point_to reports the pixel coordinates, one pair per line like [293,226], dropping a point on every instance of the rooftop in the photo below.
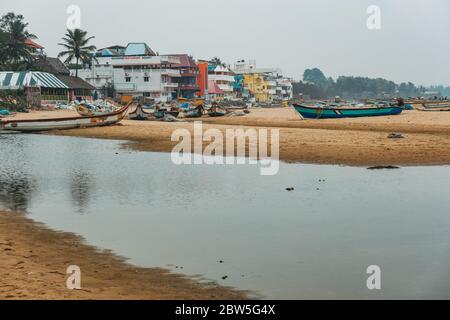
[33,44]
[186,61]
[138,49]
[18,80]
[51,65]
[213,88]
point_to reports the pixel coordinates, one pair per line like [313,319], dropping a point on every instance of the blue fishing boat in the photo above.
[161,113]
[194,113]
[323,112]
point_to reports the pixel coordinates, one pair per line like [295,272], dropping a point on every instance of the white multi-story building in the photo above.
[133,70]
[223,77]
[284,88]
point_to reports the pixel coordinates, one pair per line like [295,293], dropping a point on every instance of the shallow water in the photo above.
[314,242]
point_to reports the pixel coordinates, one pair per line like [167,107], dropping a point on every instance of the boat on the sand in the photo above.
[45,124]
[216,112]
[194,113]
[160,114]
[195,102]
[443,105]
[139,114]
[322,112]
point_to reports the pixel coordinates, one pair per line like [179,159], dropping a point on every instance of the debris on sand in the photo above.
[395,136]
[382,167]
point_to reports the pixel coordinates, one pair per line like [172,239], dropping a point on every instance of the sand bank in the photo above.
[358,142]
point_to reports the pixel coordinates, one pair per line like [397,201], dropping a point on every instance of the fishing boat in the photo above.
[161,113]
[194,113]
[195,102]
[436,105]
[37,125]
[332,113]
[216,112]
[139,114]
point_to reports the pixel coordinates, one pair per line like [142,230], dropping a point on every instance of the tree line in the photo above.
[317,86]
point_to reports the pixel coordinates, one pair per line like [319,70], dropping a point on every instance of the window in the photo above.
[146,79]
[127,79]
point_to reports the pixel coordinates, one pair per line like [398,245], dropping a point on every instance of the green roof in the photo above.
[18,80]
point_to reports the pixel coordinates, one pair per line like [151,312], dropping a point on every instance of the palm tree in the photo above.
[216,61]
[13,33]
[76,45]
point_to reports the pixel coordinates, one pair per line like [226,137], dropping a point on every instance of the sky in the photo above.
[412,44]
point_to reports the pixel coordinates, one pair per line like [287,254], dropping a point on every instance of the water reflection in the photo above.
[81,190]
[16,191]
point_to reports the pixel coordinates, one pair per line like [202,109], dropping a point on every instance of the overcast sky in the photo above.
[413,43]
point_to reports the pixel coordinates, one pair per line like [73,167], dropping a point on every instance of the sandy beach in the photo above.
[356,142]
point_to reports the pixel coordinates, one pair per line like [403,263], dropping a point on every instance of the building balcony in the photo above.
[226,87]
[221,77]
[193,87]
[170,85]
[188,74]
[171,73]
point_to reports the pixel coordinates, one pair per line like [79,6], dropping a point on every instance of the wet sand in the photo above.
[34,260]
[357,142]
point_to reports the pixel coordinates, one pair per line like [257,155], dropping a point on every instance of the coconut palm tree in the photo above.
[216,61]
[77,48]
[13,33]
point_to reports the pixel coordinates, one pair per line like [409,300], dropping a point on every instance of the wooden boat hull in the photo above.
[195,113]
[194,102]
[216,114]
[436,105]
[65,123]
[139,114]
[161,114]
[335,113]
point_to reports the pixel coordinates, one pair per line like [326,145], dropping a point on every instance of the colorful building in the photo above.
[263,84]
[202,78]
[223,77]
[134,71]
[187,82]
[256,86]
[215,92]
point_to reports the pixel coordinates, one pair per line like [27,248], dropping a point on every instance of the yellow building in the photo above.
[257,85]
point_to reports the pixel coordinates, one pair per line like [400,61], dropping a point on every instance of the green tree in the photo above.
[315,76]
[76,44]
[14,52]
[216,61]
